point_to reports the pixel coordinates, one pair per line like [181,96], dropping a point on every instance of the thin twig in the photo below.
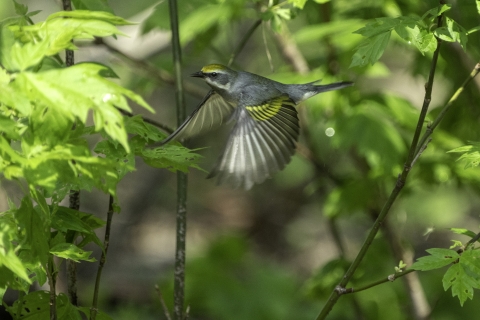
[181,230]
[449,104]
[103,259]
[162,302]
[390,278]
[336,293]
[473,240]
[244,41]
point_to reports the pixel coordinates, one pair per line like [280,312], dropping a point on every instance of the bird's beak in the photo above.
[198,74]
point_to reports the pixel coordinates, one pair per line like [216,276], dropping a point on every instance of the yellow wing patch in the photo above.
[213,67]
[269,109]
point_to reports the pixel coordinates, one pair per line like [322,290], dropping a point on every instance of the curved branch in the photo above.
[335,295]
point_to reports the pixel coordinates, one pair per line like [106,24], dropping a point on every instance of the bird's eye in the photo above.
[213,74]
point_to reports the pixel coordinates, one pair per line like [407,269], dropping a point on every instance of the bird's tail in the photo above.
[332,86]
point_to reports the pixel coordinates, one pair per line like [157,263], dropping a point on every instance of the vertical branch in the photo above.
[74,199]
[51,276]
[179,280]
[103,259]
[340,289]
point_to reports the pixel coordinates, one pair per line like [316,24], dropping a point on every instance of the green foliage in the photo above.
[463,276]
[44,110]
[36,306]
[414,30]
[471,154]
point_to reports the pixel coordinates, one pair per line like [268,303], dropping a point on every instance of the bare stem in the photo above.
[340,289]
[449,104]
[181,232]
[74,198]
[390,278]
[103,259]
[51,276]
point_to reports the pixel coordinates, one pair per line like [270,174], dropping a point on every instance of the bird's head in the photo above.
[217,76]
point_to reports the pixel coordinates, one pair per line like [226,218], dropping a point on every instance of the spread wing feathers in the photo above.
[210,113]
[262,142]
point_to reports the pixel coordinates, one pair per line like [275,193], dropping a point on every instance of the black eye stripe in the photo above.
[213,74]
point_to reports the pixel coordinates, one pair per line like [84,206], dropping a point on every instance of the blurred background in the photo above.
[277,250]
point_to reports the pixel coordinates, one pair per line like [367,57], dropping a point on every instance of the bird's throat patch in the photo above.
[270,108]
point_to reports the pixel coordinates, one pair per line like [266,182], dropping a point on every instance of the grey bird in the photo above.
[266,128]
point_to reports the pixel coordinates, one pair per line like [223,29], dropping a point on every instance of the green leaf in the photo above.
[435,12]
[93,5]
[95,15]
[8,258]
[76,90]
[298,3]
[20,9]
[438,258]
[471,154]
[171,157]
[72,252]
[466,232]
[65,219]
[33,230]
[36,306]
[452,32]
[461,282]
[371,50]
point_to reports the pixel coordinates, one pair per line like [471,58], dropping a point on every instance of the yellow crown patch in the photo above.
[213,67]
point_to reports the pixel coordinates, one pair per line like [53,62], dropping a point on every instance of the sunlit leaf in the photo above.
[72,252]
[438,258]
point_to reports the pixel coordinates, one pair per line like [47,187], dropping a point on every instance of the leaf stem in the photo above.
[340,289]
[181,230]
[103,259]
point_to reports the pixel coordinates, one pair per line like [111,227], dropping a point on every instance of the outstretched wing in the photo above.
[209,114]
[262,142]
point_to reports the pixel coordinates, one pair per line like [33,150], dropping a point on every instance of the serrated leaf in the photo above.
[435,12]
[76,90]
[462,284]
[438,258]
[171,157]
[371,50]
[20,9]
[452,32]
[33,230]
[36,305]
[65,219]
[471,154]
[72,252]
